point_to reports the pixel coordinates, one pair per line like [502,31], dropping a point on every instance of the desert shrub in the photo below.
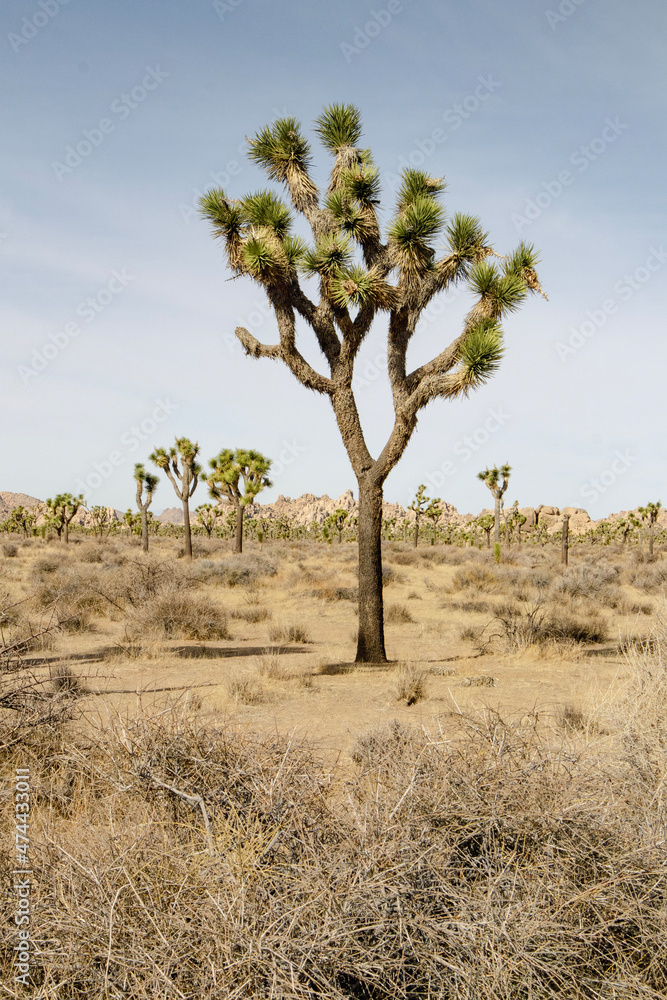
[65,682]
[522,627]
[479,607]
[72,588]
[475,578]
[405,557]
[331,593]
[178,614]
[397,614]
[233,570]
[88,553]
[493,864]
[289,633]
[75,620]
[9,550]
[414,596]
[410,684]
[252,615]
[590,580]
[245,690]
[651,578]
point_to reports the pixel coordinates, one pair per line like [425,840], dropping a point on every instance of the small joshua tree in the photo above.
[101,519]
[207,515]
[337,521]
[434,512]
[649,514]
[423,506]
[236,478]
[360,274]
[145,480]
[187,474]
[486,523]
[491,477]
[61,511]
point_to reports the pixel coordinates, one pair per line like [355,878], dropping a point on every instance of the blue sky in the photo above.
[546,119]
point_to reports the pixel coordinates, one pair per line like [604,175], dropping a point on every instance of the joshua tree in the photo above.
[486,523]
[491,478]
[228,470]
[337,521]
[188,475]
[514,521]
[207,515]
[650,513]
[361,273]
[101,519]
[423,506]
[150,482]
[20,519]
[61,511]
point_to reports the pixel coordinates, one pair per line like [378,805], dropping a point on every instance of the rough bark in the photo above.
[496,534]
[144,528]
[238,536]
[186,521]
[566,539]
[370,640]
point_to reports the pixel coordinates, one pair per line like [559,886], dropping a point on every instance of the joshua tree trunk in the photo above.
[370,642]
[416,532]
[144,529]
[496,531]
[238,536]
[66,527]
[566,538]
[186,522]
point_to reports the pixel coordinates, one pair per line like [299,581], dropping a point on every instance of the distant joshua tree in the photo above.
[650,513]
[187,473]
[236,478]
[486,523]
[337,521]
[423,506]
[148,481]
[361,272]
[207,515]
[61,511]
[492,479]
[20,519]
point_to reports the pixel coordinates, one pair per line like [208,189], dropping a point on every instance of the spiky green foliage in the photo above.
[331,254]
[467,239]
[362,184]
[281,148]
[231,469]
[227,217]
[480,355]
[417,184]
[294,249]
[145,479]
[339,125]
[264,209]
[411,233]
[264,257]
[357,286]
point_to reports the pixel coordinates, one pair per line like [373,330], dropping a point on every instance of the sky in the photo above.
[546,119]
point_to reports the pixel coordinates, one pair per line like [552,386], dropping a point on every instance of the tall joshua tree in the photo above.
[231,470]
[60,512]
[187,473]
[148,481]
[492,479]
[361,273]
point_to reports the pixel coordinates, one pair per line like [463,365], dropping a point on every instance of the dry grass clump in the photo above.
[522,627]
[9,550]
[253,614]
[178,614]
[327,592]
[651,578]
[411,684]
[397,614]
[233,570]
[245,690]
[289,633]
[475,578]
[496,864]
